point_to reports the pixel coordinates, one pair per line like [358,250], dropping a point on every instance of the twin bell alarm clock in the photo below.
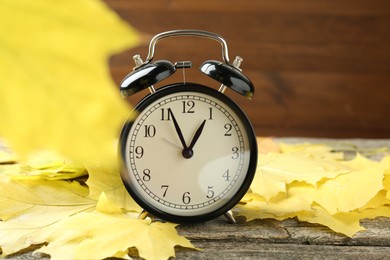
[188,153]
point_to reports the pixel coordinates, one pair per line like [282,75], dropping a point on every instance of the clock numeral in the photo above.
[166,114]
[150,130]
[146,176]
[139,152]
[226,175]
[210,113]
[210,192]
[228,127]
[186,197]
[235,154]
[188,107]
[165,189]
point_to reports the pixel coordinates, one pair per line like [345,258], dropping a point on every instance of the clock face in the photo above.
[190,154]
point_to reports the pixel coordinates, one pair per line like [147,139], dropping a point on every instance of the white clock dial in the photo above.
[187,154]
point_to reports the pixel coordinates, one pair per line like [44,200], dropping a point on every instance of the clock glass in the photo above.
[190,154]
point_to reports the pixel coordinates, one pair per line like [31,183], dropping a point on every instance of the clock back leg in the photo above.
[230,218]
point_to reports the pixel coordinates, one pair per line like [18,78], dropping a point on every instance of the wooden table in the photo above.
[320,68]
[289,239]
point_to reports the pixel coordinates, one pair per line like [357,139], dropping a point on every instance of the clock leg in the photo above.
[230,218]
[143,215]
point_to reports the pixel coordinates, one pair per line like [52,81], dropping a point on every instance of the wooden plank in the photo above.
[321,68]
[336,7]
[310,104]
[283,239]
[245,250]
[290,231]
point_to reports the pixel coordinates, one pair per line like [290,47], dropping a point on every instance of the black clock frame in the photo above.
[177,88]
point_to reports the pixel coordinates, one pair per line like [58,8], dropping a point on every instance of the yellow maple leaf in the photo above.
[44,192]
[275,170]
[318,188]
[361,163]
[27,207]
[55,90]
[45,165]
[6,156]
[344,193]
[104,177]
[345,223]
[299,197]
[36,211]
[316,150]
[385,164]
[112,234]
[295,167]
[377,201]
[11,169]
[386,184]
[105,205]
[266,185]
[45,160]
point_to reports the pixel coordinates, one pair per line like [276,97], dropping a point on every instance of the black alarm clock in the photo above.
[189,153]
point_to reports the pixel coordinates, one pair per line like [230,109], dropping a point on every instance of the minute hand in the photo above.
[178,131]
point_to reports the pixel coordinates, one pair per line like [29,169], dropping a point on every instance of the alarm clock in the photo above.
[188,153]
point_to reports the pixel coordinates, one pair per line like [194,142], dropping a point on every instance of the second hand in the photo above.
[172,143]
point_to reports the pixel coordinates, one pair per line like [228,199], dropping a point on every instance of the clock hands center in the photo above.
[187,150]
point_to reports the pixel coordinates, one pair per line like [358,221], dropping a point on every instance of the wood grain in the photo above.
[320,68]
[288,239]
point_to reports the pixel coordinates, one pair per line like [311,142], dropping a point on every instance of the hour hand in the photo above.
[197,135]
[188,152]
[178,130]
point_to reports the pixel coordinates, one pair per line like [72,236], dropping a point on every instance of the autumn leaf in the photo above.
[345,192]
[275,170]
[314,185]
[6,157]
[75,221]
[106,206]
[56,92]
[44,192]
[266,185]
[299,197]
[294,167]
[316,150]
[27,207]
[104,177]
[112,231]
[341,223]
[45,165]
[113,235]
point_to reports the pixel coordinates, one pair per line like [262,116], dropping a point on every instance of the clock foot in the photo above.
[143,215]
[230,218]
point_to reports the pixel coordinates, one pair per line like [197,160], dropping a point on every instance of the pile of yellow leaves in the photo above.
[314,184]
[42,203]
[73,209]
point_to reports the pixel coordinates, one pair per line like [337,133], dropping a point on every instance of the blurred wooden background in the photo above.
[321,68]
